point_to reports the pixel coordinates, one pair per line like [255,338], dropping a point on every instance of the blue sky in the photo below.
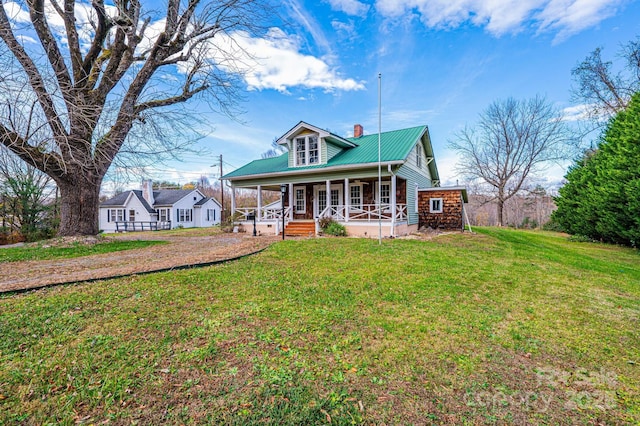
[442,62]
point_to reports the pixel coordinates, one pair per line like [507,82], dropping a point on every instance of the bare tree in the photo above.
[25,192]
[513,140]
[98,74]
[275,150]
[601,89]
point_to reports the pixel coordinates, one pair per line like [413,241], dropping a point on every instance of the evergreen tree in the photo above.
[601,198]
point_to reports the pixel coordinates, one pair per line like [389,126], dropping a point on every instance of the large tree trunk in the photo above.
[79,206]
[500,212]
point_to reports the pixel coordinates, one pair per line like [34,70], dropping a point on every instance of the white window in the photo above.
[132,215]
[355,196]
[322,200]
[335,197]
[211,215]
[419,156]
[307,150]
[384,193]
[314,152]
[301,152]
[115,215]
[435,205]
[300,200]
[185,215]
[164,214]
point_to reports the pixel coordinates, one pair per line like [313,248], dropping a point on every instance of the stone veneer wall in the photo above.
[451,216]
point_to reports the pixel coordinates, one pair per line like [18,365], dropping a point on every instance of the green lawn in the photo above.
[38,252]
[499,327]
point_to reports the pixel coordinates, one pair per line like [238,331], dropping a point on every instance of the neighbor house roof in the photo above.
[120,200]
[165,197]
[206,200]
[395,146]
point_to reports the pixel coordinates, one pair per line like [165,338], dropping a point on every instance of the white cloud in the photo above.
[572,16]
[271,62]
[350,7]
[346,29]
[24,39]
[85,17]
[499,17]
[276,62]
[306,20]
[576,113]
[15,13]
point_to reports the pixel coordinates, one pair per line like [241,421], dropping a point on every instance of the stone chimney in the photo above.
[357,131]
[147,191]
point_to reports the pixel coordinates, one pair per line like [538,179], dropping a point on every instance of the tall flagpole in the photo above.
[379,159]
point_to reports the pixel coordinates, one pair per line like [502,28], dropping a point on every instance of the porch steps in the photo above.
[300,229]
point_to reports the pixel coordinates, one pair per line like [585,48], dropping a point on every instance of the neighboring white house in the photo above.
[146,209]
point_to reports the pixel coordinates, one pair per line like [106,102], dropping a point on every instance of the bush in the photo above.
[336,229]
[553,225]
[325,221]
[528,223]
[580,239]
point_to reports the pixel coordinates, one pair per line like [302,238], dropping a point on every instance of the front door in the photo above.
[320,200]
[132,215]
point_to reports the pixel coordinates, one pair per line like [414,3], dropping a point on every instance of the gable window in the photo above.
[355,199]
[314,153]
[419,156]
[300,199]
[211,215]
[435,205]
[185,215]
[307,150]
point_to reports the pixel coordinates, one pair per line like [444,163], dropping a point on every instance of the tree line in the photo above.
[515,140]
[78,98]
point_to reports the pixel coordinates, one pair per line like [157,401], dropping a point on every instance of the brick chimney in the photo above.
[357,130]
[147,191]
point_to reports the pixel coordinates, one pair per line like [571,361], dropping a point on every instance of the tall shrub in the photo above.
[601,198]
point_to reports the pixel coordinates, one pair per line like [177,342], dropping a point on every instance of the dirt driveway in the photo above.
[180,251]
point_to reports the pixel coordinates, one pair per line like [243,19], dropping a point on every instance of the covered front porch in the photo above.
[364,206]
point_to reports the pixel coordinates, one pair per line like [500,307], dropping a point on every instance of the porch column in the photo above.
[259,212]
[329,196]
[233,201]
[393,204]
[291,200]
[347,199]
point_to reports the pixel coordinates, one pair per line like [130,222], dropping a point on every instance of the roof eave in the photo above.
[323,133]
[314,171]
[462,189]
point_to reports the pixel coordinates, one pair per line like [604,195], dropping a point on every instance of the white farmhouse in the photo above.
[146,209]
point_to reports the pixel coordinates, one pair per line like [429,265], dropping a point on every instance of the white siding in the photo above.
[200,214]
[133,203]
[185,203]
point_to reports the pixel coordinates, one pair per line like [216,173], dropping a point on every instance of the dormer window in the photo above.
[307,152]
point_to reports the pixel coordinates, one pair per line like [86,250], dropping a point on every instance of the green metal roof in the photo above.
[394,146]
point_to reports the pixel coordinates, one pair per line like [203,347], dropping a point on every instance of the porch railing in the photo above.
[132,226]
[268,213]
[364,212]
[370,212]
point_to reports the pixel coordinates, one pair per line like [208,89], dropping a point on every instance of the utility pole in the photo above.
[221,192]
